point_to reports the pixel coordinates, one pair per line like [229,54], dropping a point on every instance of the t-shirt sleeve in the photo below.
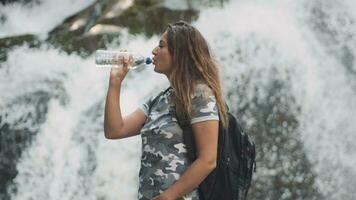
[204,106]
[145,106]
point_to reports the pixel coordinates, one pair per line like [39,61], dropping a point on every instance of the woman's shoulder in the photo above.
[202,89]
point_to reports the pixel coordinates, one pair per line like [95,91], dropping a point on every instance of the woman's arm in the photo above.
[206,141]
[115,126]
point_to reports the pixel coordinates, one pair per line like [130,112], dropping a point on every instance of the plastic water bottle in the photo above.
[105,58]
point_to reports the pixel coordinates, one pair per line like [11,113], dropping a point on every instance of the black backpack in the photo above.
[231,179]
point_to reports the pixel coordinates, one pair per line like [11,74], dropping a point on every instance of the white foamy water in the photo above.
[72,137]
[275,36]
[71,159]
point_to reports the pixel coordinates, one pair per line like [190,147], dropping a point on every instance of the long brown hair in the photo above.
[192,64]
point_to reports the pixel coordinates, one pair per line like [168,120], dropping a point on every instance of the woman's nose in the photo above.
[154,51]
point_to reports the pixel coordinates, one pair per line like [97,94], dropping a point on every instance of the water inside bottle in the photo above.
[105,59]
[110,59]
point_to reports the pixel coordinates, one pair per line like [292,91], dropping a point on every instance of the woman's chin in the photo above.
[156,69]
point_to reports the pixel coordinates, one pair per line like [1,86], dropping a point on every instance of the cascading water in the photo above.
[288,70]
[19,19]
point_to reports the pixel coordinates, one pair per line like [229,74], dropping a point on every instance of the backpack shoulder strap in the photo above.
[156,98]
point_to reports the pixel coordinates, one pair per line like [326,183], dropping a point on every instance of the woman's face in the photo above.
[162,58]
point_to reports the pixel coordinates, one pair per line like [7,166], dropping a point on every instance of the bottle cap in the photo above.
[148,60]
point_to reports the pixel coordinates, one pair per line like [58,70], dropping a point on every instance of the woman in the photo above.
[166,172]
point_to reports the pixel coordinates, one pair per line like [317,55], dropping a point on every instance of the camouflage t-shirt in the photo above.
[164,156]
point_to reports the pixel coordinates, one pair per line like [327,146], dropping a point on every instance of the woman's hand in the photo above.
[117,74]
[163,196]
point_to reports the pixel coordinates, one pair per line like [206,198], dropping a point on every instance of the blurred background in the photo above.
[288,69]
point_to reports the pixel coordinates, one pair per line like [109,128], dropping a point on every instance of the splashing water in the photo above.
[296,43]
[20,19]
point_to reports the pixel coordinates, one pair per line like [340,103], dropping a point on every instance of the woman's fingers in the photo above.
[122,61]
[120,68]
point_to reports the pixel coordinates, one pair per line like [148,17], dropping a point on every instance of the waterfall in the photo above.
[289,75]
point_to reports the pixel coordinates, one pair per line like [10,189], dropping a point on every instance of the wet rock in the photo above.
[8,43]
[17,130]
[261,95]
[101,23]
[25,2]
[283,169]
